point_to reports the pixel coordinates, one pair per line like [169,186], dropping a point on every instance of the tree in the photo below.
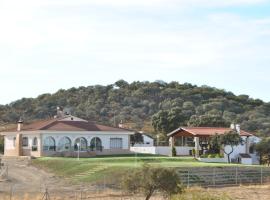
[230,139]
[263,150]
[160,122]
[148,180]
[1,144]
[214,144]
[207,120]
[136,138]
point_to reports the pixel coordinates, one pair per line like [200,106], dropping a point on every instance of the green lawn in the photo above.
[112,167]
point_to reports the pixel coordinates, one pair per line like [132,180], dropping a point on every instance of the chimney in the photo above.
[238,128]
[20,124]
[121,125]
[60,112]
[232,126]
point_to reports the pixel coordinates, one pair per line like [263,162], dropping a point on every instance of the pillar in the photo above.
[18,146]
[172,141]
[247,145]
[197,146]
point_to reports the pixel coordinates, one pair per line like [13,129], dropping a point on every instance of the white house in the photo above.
[197,137]
[65,136]
[187,140]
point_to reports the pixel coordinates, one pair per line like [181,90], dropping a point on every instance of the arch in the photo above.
[49,144]
[96,144]
[82,142]
[64,144]
[25,141]
[35,142]
[14,142]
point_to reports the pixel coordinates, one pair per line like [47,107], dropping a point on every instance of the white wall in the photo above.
[246,161]
[9,142]
[105,138]
[237,149]
[162,150]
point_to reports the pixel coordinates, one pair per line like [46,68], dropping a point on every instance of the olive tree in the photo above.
[230,139]
[263,150]
[147,181]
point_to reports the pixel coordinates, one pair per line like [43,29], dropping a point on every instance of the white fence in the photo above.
[162,150]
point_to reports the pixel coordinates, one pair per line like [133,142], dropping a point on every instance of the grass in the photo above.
[113,167]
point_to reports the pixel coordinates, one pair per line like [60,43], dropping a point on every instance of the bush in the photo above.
[216,155]
[147,181]
[194,152]
[1,144]
[174,152]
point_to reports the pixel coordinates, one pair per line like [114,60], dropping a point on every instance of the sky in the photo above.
[58,44]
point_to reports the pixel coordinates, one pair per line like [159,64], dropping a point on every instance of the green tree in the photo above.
[160,122]
[215,144]
[136,138]
[1,144]
[148,180]
[230,139]
[263,150]
[207,120]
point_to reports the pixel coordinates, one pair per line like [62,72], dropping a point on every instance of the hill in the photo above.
[151,106]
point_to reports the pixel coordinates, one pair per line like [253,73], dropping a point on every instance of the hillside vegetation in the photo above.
[151,106]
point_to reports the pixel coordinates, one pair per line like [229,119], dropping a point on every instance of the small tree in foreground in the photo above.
[231,139]
[147,181]
[263,149]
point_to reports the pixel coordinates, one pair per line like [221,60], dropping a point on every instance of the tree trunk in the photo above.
[228,156]
[148,196]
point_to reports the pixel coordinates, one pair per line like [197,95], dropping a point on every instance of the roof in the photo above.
[66,124]
[204,131]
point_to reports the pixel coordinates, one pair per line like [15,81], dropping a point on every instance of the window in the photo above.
[49,144]
[64,144]
[116,143]
[34,144]
[14,142]
[96,144]
[25,141]
[83,144]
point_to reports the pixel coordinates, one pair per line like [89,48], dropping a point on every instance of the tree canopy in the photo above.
[165,106]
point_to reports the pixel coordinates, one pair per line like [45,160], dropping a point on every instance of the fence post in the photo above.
[214,176]
[236,176]
[188,180]
[261,175]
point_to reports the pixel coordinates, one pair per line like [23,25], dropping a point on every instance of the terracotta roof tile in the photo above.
[206,131]
[59,125]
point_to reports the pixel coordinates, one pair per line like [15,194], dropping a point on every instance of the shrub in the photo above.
[147,181]
[194,152]
[174,152]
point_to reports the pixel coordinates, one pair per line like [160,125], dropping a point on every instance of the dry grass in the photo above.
[227,193]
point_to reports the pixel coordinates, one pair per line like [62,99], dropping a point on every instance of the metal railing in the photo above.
[212,177]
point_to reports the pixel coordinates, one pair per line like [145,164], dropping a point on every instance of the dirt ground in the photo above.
[27,182]
[259,192]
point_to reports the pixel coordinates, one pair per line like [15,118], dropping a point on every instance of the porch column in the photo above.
[247,145]
[197,146]
[40,145]
[18,145]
